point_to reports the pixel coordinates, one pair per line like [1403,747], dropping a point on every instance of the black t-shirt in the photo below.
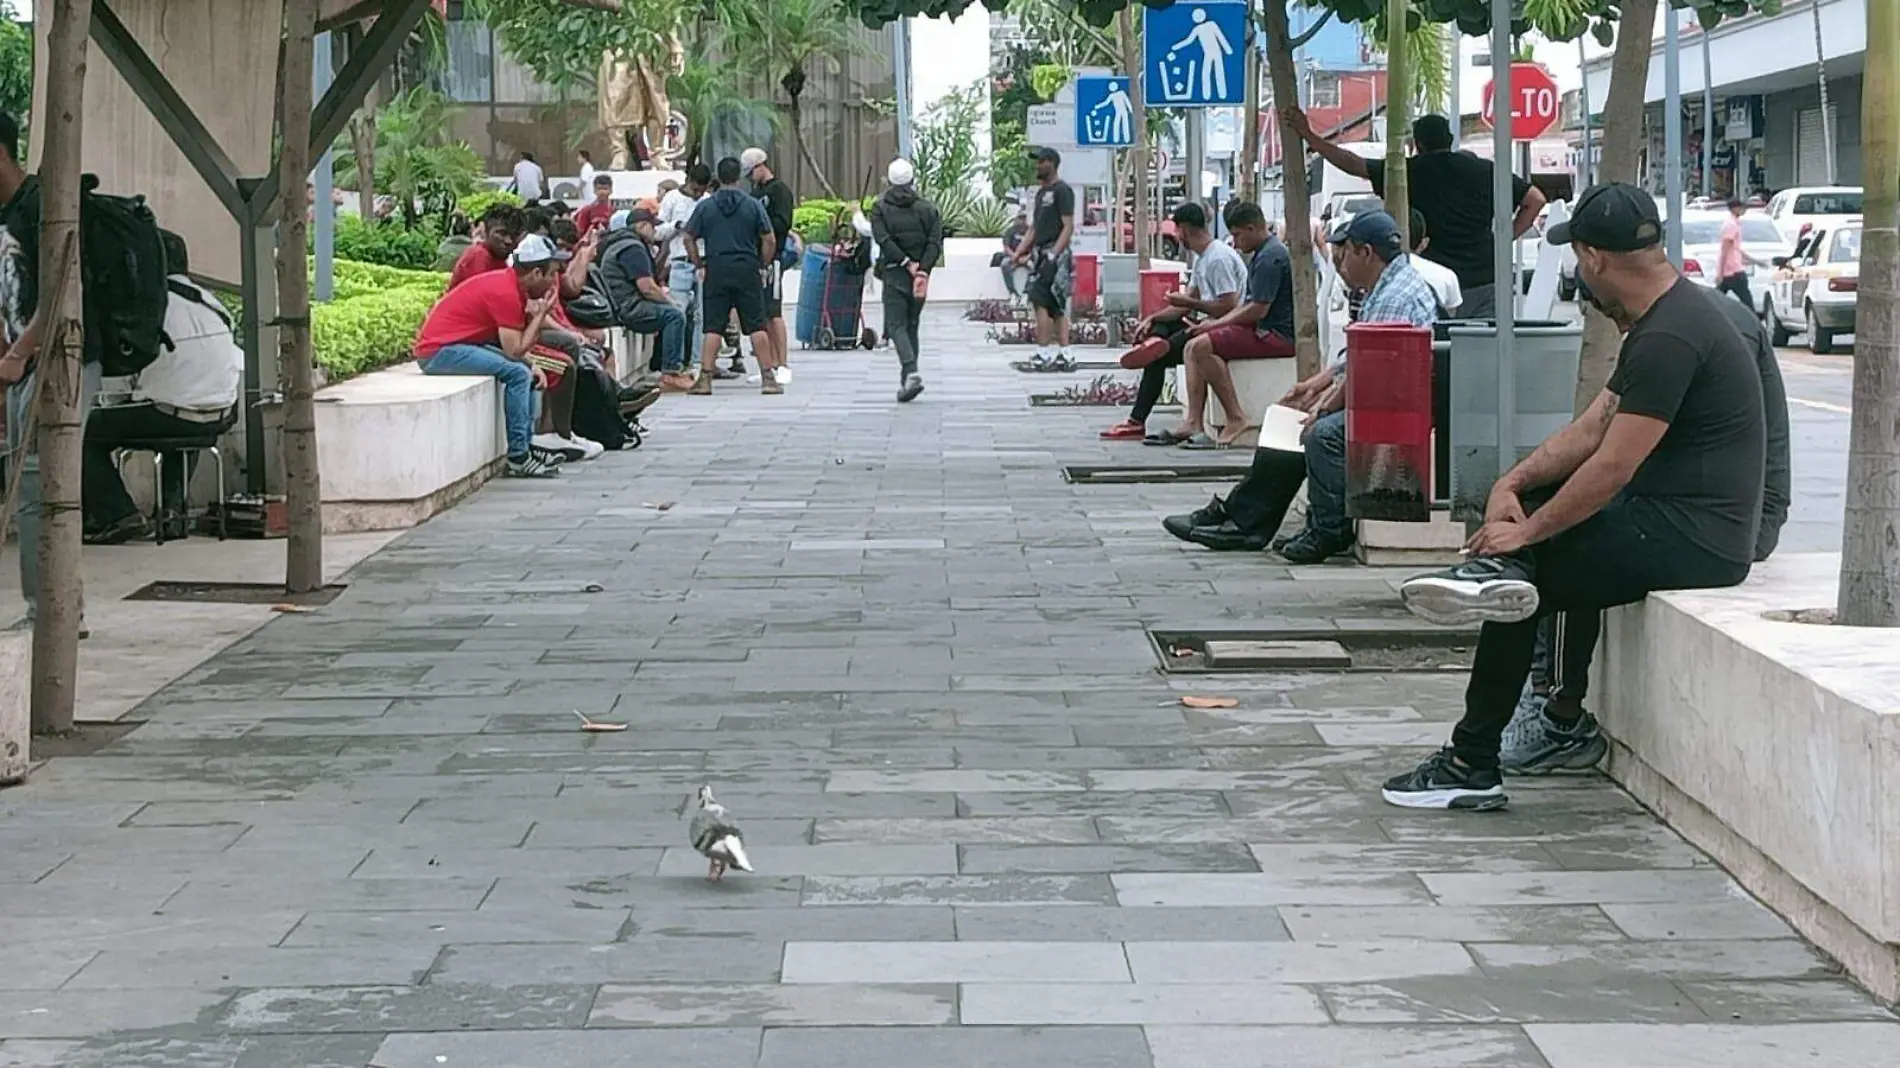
[729,223]
[777,200]
[1054,203]
[1703,482]
[1777,481]
[1270,282]
[1452,190]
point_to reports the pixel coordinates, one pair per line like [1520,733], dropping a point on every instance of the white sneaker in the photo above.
[557,445]
[590,449]
[782,374]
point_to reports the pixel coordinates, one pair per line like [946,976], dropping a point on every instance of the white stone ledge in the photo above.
[16,648]
[1774,746]
[396,446]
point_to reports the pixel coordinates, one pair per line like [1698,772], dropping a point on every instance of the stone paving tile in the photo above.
[954,763]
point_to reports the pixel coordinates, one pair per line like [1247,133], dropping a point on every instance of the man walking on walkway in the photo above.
[1051,265]
[734,243]
[1658,486]
[909,234]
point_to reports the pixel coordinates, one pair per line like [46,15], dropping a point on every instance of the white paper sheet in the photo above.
[1281,428]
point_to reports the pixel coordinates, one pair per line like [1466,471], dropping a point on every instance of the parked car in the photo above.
[1797,211]
[1816,286]
[1702,247]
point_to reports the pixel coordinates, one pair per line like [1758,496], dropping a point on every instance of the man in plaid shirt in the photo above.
[1373,258]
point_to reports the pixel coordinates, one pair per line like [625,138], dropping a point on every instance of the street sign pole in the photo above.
[1457,78]
[324,181]
[1196,153]
[1502,244]
[1672,134]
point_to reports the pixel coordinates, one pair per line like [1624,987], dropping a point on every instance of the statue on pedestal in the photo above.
[633,101]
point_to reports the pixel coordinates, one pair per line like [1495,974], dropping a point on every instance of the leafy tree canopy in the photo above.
[562,44]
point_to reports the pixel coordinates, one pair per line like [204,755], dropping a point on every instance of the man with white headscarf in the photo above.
[909,234]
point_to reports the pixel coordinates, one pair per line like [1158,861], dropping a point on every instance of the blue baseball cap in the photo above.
[1379,230]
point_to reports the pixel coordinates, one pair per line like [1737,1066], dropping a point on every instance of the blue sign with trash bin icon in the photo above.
[1195,55]
[1104,112]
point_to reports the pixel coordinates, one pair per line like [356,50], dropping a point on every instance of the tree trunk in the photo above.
[1398,97]
[1820,67]
[804,152]
[59,366]
[1138,154]
[1621,138]
[1299,209]
[296,366]
[1870,545]
[1249,162]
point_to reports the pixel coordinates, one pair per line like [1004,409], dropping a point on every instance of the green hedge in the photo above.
[372,331]
[813,219]
[350,279]
[473,205]
[389,244]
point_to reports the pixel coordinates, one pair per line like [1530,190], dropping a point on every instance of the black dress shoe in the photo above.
[1212,515]
[1312,547]
[1227,537]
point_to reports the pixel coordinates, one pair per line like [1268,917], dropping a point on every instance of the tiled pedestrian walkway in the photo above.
[911,659]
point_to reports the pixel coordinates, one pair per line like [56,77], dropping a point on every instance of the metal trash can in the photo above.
[1121,283]
[1388,422]
[1532,399]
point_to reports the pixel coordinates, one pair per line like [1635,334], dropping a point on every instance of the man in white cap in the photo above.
[909,234]
[777,200]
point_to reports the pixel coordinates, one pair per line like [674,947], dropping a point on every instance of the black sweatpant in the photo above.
[103,497]
[1566,643]
[1155,375]
[903,311]
[1618,556]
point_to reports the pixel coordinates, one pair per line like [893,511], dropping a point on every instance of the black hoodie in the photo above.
[908,229]
[731,224]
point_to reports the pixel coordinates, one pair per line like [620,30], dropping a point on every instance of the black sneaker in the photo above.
[1442,782]
[1485,589]
[913,385]
[1227,537]
[1536,744]
[134,527]
[548,457]
[1213,515]
[530,465]
[1312,547]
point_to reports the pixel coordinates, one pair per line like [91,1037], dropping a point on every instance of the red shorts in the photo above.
[1244,343]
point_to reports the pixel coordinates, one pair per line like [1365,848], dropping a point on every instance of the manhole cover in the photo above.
[1221,651]
[233,593]
[1102,473]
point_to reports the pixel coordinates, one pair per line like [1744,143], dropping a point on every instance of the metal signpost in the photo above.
[1194,56]
[1672,134]
[1503,242]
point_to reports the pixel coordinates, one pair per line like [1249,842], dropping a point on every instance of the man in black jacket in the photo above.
[909,233]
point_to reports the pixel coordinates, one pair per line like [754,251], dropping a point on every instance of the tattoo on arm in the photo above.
[1563,452]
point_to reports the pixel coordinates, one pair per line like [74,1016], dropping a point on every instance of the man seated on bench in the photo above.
[1551,731]
[640,304]
[1658,486]
[1371,257]
[1260,328]
[1213,289]
[189,391]
[488,326]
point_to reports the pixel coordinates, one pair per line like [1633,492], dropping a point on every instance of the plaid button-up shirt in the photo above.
[1402,295]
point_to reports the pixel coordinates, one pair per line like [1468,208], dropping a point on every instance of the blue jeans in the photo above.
[517,385]
[683,280]
[1326,476]
[668,325]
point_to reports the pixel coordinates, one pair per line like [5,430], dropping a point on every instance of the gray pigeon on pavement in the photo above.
[716,837]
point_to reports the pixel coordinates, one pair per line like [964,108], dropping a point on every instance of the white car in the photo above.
[1797,211]
[1702,248]
[1817,287]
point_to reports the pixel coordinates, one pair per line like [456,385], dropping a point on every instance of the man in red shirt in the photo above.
[488,326]
[595,214]
[501,229]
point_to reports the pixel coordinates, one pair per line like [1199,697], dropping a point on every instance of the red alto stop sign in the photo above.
[1534,101]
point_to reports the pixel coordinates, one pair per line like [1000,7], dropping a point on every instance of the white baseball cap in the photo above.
[535,250]
[751,159]
[900,172]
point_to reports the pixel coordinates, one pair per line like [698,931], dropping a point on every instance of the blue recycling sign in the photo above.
[1194,54]
[1104,112]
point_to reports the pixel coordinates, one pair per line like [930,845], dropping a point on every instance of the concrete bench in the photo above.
[1774,746]
[1260,384]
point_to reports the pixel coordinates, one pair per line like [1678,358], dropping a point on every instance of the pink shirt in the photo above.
[1732,262]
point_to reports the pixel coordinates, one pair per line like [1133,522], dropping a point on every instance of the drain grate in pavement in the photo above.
[1215,651]
[1086,474]
[233,593]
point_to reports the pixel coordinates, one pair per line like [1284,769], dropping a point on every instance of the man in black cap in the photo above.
[1052,267]
[1658,486]
[640,303]
[1453,191]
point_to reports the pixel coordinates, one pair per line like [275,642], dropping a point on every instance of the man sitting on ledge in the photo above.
[488,326]
[1658,486]
[1213,290]
[1370,257]
[1260,328]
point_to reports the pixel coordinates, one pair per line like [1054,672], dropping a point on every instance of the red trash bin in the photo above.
[1388,421]
[1088,281]
[1156,284]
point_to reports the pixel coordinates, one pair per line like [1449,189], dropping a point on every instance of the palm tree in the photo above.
[785,37]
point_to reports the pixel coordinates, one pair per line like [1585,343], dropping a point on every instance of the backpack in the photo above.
[597,410]
[124,269]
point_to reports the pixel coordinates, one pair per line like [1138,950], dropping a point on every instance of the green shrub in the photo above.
[984,217]
[474,204]
[364,333]
[813,219]
[350,279]
[389,244]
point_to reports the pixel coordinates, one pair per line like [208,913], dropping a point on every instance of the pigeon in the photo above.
[716,837]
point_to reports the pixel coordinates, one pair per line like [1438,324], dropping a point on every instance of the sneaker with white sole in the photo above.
[1484,589]
[531,465]
[913,386]
[558,445]
[1441,782]
[590,449]
[1536,744]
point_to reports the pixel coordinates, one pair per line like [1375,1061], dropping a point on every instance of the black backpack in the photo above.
[597,411]
[124,267]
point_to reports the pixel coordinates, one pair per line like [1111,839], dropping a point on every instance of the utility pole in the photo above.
[1583,98]
[1708,122]
[1457,109]
[324,180]
[1672,134]
[900,44]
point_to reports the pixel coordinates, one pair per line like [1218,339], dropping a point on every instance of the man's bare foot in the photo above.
[676,382]
[1237,429]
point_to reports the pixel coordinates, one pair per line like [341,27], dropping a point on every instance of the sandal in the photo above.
[1166,438]
[1203,442]
[1126,431]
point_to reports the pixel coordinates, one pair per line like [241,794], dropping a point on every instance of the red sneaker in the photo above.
[1125,431]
